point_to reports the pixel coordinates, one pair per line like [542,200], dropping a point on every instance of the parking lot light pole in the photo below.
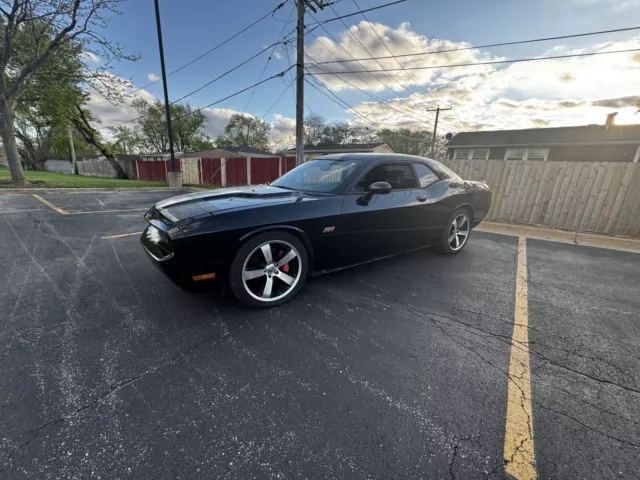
[174,176]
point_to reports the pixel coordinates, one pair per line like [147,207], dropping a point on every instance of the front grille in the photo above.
[157,243]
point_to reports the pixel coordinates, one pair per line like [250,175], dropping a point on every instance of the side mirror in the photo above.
[379,188]
[376,188]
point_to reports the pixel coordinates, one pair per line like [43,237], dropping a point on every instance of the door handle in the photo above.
[421,198]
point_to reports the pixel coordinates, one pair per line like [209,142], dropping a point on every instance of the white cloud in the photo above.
[361,39]
[91,57]
[281,127]
[277,55]
[153,77]
[575,91]
[111,112]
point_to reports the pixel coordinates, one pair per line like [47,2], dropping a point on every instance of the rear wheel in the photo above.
[454,237]
[269,269]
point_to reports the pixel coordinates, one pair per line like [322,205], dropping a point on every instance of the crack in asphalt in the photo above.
[499,337]
[116,387]
[419,313]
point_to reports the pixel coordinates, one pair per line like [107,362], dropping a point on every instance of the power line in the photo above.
[277,75]
[344,104]
[333,19]
[365,49]
[459,49]
[273,11]
[264,69]
[380,99]
[494,62]
[317,24]
[400,64]
[199,88]
[287,87]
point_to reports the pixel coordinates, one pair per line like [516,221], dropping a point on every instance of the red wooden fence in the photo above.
[211,171]
[262,170]
[153,170]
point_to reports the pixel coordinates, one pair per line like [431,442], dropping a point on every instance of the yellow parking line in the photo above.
[107,211]
[50,205]
[122,235]
[519,455]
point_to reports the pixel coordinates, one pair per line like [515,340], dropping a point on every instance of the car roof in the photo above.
[373,157]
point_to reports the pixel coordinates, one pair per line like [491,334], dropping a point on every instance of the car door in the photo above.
[433,214]
[382,224]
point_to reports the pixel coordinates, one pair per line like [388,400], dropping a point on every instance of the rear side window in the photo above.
[399,176]
[443,171]
[425,176]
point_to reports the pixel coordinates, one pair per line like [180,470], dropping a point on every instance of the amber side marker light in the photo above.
[206,276]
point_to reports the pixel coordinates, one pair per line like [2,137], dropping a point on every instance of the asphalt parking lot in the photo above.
[395,369]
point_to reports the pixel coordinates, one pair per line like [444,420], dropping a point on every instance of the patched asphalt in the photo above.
[395,369]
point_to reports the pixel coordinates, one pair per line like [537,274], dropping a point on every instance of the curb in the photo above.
[563,236]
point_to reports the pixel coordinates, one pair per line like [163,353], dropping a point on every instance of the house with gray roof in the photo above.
[314,151]
[589,143]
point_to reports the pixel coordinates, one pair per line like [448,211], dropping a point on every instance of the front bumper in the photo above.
[163,256]
[175,262]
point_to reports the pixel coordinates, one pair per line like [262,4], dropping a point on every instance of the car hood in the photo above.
[191,205]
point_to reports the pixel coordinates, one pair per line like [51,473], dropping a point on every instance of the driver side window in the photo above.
[399,176]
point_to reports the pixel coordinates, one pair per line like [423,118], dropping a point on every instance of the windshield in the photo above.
[317,176]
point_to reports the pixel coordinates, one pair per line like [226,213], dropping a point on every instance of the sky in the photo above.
[549,93]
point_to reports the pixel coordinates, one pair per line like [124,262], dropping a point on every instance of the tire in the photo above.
[251,271]
[461,229]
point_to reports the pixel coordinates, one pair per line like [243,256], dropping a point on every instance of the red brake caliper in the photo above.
[285,267]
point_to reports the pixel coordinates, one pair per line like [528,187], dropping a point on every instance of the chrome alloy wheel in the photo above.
[458,232]
[271,271]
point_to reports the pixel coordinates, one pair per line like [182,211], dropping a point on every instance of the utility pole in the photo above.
[73,150]
[435,127]
[300,84]
[175,179]
[313,5]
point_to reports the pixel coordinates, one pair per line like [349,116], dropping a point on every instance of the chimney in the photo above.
[610,120]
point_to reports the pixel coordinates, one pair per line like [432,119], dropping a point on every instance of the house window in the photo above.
[538,154]
[515,154]
[462,153]
[472,153]
[534,154]
[480,154]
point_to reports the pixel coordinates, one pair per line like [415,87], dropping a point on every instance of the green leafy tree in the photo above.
[35,35]
[411,141]
[201,143]
[246,130]
[187,124]
[82,120]
[60,145]
[344,132]
[125,139]
[41,113]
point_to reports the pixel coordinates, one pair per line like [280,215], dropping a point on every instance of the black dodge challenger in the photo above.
[331,212]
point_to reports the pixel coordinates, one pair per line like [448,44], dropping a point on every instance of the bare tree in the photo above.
[314,125]
[33,31]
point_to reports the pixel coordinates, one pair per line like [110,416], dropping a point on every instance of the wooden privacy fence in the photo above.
[102,168]
[219,172]
[601,197]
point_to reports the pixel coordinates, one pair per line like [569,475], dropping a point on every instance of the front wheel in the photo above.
[269,269]
[454,237]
